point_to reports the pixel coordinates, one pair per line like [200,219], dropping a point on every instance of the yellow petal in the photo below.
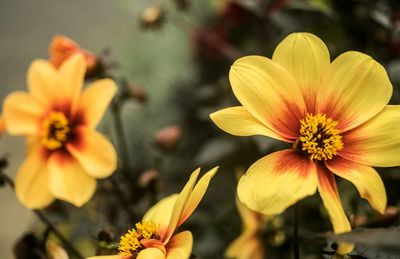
[151,253]
[95,100]
[105,257]
[246,246]
[196,195]
[277,181]
[328,190]
[376,142]
[354,88]
[305,56]
[161,213]
[269,92]
[22,114]
[69,181]
[42,80]
[54,251]
[94,152]
[365,178]
[252,220]
[180,203]
[180,246]
[32,181]
[238,121]
[71,76]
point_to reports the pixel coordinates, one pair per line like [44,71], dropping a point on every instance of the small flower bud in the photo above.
[152,17]
[167,138]
[138,93]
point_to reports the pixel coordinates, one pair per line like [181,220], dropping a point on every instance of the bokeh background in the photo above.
[180,62]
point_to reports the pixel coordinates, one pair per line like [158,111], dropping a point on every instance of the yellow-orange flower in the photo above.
[249,244]
[61,48]
[154,237]
[334,115]
[65,152]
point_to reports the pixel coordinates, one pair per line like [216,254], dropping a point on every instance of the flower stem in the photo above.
[296,247]
[67,245]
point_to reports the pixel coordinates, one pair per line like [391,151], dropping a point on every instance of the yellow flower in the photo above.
[61,48]
[65,152]
[249,244]
[154,237]
[334,115]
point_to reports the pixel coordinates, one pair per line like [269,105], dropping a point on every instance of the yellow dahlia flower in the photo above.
[154,237]
[65,152]
[334,116]
[249,244]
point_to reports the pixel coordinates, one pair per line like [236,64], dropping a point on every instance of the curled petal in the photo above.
[376,142]
[305,56]
[32,181]
[269,93]
[238,121]
[277,181]
[94,152]
[95,100]
[365,178]
[180,246]
[354,88]
[68,180]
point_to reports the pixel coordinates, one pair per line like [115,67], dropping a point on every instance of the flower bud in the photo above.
[152,17]
[167,138]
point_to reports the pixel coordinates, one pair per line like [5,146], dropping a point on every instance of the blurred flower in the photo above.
[61,48]
[154,237]
[167,138]
[152,17]
[65,152]
[54,251]
[334,115]
[249,244]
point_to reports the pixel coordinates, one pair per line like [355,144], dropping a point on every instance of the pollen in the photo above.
[129,245]
[55,131]
[319,137]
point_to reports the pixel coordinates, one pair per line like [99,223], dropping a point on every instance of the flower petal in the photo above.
[55,251]
[94,152]
[105,257]
[247,245]
[354,88]
[252,220]
[238,121]
[180,246]
[365,178]
[153,253]
[32,180]
[68,180]
[161,213]
[376,142]
[305,56]
[269,93]
[197,194]
[71,76]
[179,206]
[328,190]
[277,181]
[22,114]
[42,80]
[95,100]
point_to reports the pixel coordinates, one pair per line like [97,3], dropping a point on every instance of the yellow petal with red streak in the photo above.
[68,180]
[277,181]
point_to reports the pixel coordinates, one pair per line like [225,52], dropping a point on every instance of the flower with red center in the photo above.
[65,152]
[154,237]
[334,115]
[61,48]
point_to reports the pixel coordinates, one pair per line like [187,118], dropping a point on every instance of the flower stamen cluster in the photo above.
[55,130]
[319,137]
[130,245]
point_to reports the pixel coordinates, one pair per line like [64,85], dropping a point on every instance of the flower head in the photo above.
[65,152]
[334,115]
[154,237]
[61,48]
